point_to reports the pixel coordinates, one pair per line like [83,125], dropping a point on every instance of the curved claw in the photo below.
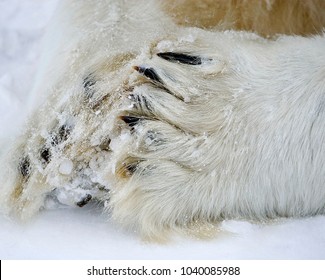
[149,73]
[130,121]
[181,58]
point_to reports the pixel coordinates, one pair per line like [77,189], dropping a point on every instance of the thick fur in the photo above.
[175,126]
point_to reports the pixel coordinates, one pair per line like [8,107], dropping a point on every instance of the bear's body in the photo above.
[175,127]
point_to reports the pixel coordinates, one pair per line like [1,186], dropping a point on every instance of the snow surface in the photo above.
[85,233]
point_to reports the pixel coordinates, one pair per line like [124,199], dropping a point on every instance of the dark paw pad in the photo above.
[84,201]
[45,154]
[62,135]
[24,167]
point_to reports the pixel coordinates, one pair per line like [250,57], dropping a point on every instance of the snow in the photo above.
[87,233]
[66,167]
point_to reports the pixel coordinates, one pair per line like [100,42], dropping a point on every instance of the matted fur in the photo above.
[172,126]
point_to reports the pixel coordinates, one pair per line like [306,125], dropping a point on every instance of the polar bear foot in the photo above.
[200,127]
[205,121]
[162,168]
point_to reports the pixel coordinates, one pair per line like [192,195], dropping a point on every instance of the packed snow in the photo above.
[87,233]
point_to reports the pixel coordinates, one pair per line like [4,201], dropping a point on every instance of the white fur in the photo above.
[249,143]
[239,136]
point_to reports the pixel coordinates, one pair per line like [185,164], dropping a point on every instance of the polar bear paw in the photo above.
[179,116]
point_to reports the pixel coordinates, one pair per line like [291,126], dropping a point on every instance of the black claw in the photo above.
[45,154]
[128,168]
[181,58]
[84,201]
[131,168]
[131,121]
[149,73]
[24,167]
